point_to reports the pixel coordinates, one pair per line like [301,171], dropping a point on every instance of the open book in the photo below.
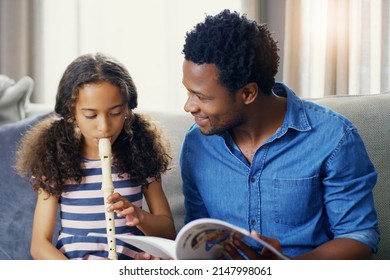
[198,240]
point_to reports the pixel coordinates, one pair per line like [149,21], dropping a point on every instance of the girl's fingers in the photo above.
[126,211]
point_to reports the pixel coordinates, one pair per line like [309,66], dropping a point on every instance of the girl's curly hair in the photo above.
[242,50]
[50,151]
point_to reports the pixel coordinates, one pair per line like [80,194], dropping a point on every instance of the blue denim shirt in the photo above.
[310,182]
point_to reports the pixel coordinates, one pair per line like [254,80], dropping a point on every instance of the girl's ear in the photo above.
[249,93]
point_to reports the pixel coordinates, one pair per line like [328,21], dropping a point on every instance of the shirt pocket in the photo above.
[297,200]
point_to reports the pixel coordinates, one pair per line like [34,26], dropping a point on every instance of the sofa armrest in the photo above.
[14,99]
[17,200]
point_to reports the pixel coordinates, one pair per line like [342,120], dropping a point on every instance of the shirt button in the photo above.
[253,180]
[253,222]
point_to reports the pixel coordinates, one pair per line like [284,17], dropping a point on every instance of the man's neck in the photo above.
[263,118]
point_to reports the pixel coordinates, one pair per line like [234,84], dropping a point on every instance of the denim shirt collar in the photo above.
[295,116]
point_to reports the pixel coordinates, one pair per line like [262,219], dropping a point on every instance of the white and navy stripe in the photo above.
[82,211]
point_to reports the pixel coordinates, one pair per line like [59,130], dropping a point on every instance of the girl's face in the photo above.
[100,112]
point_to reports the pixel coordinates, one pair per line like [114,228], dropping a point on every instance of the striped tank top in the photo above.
[82,211]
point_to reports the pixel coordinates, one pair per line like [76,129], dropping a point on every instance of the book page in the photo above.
[155,246]
[201,239]
[205,238]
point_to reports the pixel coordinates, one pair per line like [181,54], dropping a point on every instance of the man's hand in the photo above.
[251,254]
[145,256]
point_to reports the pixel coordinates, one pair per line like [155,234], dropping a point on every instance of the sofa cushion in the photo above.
[17,199]
[13,98]
[5,83]
[174,125]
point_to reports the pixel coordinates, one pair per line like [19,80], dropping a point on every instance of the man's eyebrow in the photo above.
[197,92]
[194,91]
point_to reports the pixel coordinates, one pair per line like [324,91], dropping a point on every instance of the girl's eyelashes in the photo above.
[114,114]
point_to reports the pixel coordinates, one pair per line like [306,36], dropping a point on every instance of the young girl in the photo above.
[95,99]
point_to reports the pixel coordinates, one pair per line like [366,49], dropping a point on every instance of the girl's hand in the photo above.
[124,208]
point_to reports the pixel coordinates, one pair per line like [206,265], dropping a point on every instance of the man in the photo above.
[261,158]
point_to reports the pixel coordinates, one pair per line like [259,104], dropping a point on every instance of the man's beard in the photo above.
[219,130]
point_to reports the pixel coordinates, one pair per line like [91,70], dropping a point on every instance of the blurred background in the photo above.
[327,47]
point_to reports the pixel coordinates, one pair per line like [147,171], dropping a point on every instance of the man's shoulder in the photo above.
[312,110]
[193,131]
[196,139]
[320,113]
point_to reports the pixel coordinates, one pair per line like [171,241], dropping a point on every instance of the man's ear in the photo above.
[249,93]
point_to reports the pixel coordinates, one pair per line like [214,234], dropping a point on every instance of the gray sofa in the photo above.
[370,114]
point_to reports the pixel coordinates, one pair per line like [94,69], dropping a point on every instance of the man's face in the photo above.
[214,109]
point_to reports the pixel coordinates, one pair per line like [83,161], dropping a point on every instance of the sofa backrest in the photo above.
[175,125]
[371,115]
